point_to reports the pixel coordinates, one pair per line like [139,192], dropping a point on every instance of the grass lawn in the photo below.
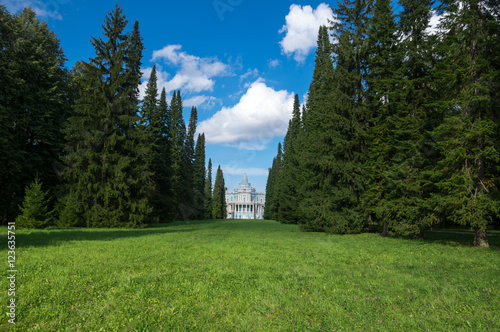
[249,275]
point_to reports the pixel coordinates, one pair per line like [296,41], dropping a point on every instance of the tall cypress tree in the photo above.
[199,177]
[219,196]
[34,105]
[164,170]
[208,191]
[189,150]
[467,176]
[289,193]
[104,154]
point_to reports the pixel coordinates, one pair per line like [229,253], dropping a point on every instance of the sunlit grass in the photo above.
[251,276]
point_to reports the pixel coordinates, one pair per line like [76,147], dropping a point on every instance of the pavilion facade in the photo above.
[244,202]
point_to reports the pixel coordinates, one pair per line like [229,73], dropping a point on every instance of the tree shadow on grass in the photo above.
[458,240]
[58,236]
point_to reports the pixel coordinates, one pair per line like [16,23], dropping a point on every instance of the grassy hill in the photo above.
[249,275]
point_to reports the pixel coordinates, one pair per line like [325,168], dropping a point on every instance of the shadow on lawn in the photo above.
[58,236]
[458,240]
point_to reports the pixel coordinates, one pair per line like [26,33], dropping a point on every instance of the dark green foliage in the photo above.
[163,173]
[34,106]
[219,196]
[189,146]
[105,153]
[177,137]
[289,186]
[271,206]
[467,176]
[35,209]
[199,178]
[208,191]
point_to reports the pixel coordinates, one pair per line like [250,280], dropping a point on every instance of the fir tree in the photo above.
[208,191]
[177,136]
[107,173]
[271,206]
[164,171]
[289,193]
[467,176]
[219,196]
[35,209]
[383,60]
[199,177]
[189,157]
[34,105]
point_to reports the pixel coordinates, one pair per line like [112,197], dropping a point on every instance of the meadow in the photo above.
[249,275]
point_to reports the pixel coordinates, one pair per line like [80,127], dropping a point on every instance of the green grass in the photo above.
[249,275]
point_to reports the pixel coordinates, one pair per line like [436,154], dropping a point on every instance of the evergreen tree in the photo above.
[177,136]
[208,191]
[164,170]
[271,206]
[467,176]
[35,209]
[199,177]
[219,196]
[104,154]
[289,193]
[383,60]
[411,117]
[189,146]
[34,106]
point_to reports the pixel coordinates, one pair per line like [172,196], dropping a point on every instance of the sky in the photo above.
[239,62]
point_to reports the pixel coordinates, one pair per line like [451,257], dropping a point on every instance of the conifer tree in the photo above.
[105,157]
[35,211]
[208,191]
[412,115]
[177,136]
[219,196]
[467,176]
[189,146]
[34,105]
[199,177]
[289,193]
[383,60]
[271,206]
[164,172]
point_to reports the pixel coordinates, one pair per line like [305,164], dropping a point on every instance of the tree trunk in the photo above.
[481,238]
[385,230]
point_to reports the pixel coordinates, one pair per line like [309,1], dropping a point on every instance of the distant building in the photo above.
[244,202]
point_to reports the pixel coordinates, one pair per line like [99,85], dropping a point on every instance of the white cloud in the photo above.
[273,63]
[42,9]
[253,73]
[261,114]
[302,25]
[194,74]
[208,101]
[433,24]
[239,170]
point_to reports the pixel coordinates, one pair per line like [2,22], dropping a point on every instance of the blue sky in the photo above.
[239,61]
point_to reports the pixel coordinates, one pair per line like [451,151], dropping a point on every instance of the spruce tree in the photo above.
[467,176]
[177,136]
[105,154]
[35,211]
[289,192]
[383,60]
[164,170]
[34,105]
[271,206]
[412,117]
[219,196]
[189,150]
[208,191]
[199,177]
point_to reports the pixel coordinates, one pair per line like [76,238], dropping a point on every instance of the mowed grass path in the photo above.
[249,275]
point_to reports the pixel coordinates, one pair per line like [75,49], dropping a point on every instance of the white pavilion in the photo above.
[244,202]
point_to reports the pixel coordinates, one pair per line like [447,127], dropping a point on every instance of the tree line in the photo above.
[401,127]
[79,148]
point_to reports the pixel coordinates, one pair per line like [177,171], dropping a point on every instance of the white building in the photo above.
[244,202]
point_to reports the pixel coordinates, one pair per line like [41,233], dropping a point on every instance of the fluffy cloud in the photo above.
[302,25]
[273,63]
[433,24]
[261,114]
[43,9]
[194,74]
